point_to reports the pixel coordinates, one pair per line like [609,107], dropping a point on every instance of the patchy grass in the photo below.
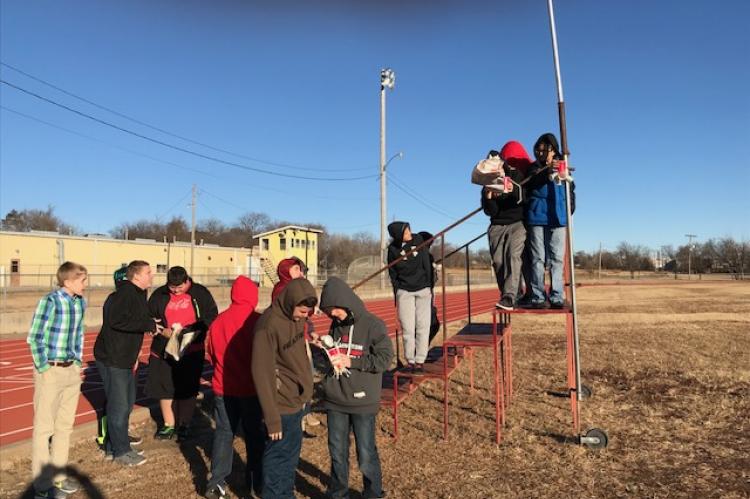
[670,370]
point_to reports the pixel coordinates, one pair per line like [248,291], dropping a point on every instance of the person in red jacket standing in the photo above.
[230,341]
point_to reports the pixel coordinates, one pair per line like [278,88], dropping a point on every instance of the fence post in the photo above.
[468,283]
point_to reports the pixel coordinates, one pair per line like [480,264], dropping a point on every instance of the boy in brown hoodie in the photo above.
[283,380]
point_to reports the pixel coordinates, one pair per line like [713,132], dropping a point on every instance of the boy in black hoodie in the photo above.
[412,281]
[353,399]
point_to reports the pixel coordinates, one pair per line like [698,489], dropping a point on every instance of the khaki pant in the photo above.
[56,393]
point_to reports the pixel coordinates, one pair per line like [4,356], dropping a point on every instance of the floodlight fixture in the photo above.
[387,78]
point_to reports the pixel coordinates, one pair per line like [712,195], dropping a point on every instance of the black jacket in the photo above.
[505,209]
[125,319]
[371,352]
[203,304]
[414,272]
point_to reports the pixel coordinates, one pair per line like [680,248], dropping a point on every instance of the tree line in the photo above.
[717,255]
[336,251]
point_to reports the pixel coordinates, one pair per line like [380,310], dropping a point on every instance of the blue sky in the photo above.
[656,92]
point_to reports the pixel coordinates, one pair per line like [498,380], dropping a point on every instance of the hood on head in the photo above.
[337,293]
[515,155]
[550,139]
[297,291]
[426,236]
[396,230]
[283,268]
[244,292]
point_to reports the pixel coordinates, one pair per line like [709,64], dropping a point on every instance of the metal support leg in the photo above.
[445,392]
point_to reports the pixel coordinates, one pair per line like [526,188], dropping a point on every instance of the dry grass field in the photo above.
[669,366]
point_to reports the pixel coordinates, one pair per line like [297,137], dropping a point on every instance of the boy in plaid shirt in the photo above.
[56,342]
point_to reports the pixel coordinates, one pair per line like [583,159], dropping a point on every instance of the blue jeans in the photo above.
[339,425]
[119,390]
[280,458]
[547,244]
[229,413]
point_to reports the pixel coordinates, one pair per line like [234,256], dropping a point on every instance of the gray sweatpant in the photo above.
[506,247]
[414,314]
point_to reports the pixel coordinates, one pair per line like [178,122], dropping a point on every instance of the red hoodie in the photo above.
[230,341]
[283,272]
[516,156]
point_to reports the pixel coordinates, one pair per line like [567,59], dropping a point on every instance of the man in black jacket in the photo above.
[125,320]
[412,280]
[353,398]
[175,382]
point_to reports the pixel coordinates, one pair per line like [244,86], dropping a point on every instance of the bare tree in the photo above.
[28,220]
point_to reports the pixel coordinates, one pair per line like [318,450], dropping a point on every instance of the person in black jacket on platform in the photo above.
[125,319]
[352,397]
[412,281]
[175,382]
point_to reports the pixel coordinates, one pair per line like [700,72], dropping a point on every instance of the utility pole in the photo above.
[387,80]
[600,260]
[690,252]
[192,230]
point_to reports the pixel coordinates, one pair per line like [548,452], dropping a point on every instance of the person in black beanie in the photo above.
[184,307]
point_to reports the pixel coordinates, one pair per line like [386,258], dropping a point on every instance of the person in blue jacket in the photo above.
[546,222]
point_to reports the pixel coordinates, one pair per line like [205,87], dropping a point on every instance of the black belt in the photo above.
[66,363]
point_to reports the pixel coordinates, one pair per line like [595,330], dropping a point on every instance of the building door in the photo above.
[15,272]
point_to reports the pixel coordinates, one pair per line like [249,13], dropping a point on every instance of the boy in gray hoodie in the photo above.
[352,399]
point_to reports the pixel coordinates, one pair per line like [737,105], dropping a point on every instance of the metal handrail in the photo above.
[424,244]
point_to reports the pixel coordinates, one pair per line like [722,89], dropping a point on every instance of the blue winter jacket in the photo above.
[545,203]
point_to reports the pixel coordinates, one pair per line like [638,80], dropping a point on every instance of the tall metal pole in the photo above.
[566,152]
[600,261]
[387,80]
[192,230]
[690,252]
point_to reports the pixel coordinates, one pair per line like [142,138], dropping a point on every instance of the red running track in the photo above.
[16,370]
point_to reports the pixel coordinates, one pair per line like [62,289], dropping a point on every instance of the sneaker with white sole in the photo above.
[505,303]
[218,491]
[67,486]
[131,458]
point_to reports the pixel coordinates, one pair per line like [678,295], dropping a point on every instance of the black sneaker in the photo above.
[165,433]
[557,304]
[539,305]
[505,303]
[418,369]
[216,492]
[134,440]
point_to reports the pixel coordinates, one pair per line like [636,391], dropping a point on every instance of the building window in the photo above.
[292,243]
[264,244]
[282,244]
[15,266]
[161,268]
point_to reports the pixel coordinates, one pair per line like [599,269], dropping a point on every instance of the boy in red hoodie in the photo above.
[230,341]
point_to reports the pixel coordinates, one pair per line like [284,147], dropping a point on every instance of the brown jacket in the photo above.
[280,365]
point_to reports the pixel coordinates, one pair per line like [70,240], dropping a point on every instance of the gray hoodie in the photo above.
[371,352]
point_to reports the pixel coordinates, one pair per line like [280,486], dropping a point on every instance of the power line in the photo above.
[166,162]
[424,203]
[182,149]
[182,199]
[171,134]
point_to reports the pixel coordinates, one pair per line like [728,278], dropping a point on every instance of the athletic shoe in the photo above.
[165,433]
[67,486]
[311,420]
[51,493]
[524,301]
[217,491]
[418,368]
[131,458]
[539,305]
[134,440]
[505,303]
[557,304]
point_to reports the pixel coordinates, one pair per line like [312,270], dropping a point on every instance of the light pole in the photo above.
[387,80]
[690,252]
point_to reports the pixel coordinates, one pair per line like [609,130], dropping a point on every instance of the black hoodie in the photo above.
[414,272]
[125,317]
[371,352]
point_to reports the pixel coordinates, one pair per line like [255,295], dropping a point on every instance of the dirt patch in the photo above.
[670,372]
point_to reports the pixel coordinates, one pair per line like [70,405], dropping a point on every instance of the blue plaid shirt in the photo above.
[56,332]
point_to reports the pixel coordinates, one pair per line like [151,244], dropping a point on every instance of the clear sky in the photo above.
[656,92]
